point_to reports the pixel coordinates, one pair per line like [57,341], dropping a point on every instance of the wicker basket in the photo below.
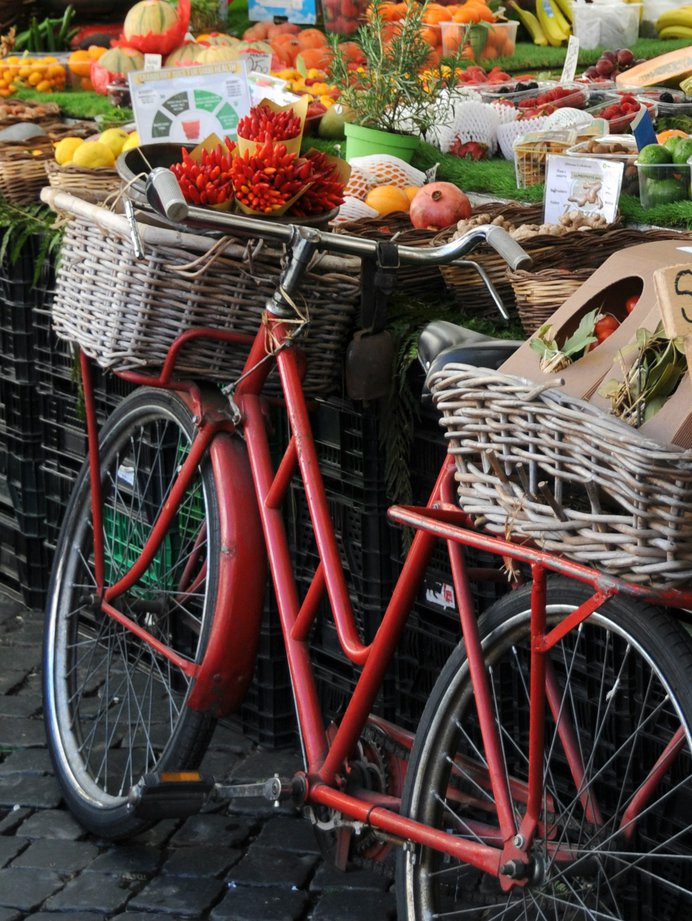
[93,185]
[125,313]
[416,281]
[540,291]
[465,284]
[13,111]
[538,464]
[22,170]
[539,294]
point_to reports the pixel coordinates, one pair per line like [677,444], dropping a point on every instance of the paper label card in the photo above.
[584,184]
[185,104]
[303,11]
[569,68]
[674,291]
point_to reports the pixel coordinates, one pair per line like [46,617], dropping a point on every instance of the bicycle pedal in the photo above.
[275,790]
[170,794]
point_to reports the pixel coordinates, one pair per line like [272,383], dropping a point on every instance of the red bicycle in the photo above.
[550,776]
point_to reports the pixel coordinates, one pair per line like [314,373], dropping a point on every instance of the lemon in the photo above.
[132,141]
[64,149]
[93,154]
[113,138]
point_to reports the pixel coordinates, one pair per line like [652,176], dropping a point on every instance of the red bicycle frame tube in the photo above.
[441,519]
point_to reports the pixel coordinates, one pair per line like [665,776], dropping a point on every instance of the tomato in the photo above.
[631,302]
[605,326]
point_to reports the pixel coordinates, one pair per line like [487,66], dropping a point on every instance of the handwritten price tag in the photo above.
[674,289]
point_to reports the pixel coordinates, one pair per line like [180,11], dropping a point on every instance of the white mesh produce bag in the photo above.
[359,182]
[384,169]
[353,209]
[569,118]
[509,132]
[471,121]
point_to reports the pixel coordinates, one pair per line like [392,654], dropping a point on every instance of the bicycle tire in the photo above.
[629,671]
[114,708]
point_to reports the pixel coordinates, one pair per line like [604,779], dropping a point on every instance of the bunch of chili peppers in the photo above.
[207,181]
[267,179]
[326,189]
[264,124]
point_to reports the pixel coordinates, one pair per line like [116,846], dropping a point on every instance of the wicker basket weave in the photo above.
[126,313]
[415,280]
[22,171]
[539,292]
[538,464]
[93,185]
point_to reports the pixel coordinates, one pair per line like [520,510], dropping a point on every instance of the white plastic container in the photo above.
[606,25]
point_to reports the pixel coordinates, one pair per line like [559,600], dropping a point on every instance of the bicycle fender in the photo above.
[226,670]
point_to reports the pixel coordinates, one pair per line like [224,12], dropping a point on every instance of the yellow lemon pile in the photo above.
[98,153]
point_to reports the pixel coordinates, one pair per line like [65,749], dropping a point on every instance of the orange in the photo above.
[387,198]
[80,63]
[410,191]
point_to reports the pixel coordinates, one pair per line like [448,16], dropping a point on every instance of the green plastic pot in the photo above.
[362,142]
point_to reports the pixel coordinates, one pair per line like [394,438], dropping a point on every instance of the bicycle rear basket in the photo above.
[126,313]
[535,463]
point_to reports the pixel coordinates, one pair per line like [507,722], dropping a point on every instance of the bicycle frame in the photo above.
[325,761]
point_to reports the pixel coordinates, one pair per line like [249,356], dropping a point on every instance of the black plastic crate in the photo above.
[336,678]
[64,428]
[420,660]
[363,538]
[21,409]
[347,439]
[23,562]
[58,484]
[9,568]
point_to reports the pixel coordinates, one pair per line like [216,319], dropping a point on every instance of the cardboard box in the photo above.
[626,273]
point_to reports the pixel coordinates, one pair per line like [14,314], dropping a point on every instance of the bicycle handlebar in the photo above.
[165,196]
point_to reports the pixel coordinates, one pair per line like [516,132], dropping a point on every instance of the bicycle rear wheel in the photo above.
[115,707]
[624,680]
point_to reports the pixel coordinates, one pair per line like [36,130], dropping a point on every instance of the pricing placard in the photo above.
[186,104]
[584,184]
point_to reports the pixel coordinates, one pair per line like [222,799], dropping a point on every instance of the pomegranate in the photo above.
[438,205]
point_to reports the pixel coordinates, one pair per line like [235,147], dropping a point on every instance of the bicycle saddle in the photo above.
[442,342]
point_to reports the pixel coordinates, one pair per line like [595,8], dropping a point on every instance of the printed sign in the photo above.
[303,11]
[569,68]
[674,290]
[584,184]
[186,104]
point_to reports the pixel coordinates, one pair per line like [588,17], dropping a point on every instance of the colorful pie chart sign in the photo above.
[186,104]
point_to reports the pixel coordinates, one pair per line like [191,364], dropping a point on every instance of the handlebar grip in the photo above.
[507,247]
[167,197]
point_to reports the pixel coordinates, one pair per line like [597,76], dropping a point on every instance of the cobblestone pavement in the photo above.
[258,864]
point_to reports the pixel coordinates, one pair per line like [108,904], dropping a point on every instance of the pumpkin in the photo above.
[154,26]
[387,198]
[114,63]
[184,55]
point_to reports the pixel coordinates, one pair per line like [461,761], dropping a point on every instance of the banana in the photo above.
[552,31]
[682,16]
[564,24]
[530,23]
[565,7]
[676,32]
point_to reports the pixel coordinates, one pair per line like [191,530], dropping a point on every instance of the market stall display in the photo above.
[489,97]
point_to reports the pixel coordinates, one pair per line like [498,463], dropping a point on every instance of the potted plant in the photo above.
[394,98]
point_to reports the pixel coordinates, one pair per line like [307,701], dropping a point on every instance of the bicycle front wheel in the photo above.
[114,705]
[623,685]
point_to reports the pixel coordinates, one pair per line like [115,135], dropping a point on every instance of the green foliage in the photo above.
[25,222]
[389,92]
[654,364]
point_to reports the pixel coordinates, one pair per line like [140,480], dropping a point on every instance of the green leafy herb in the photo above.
[653,366]
[555,356]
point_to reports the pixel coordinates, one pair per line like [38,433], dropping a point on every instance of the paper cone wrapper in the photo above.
[300,108]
